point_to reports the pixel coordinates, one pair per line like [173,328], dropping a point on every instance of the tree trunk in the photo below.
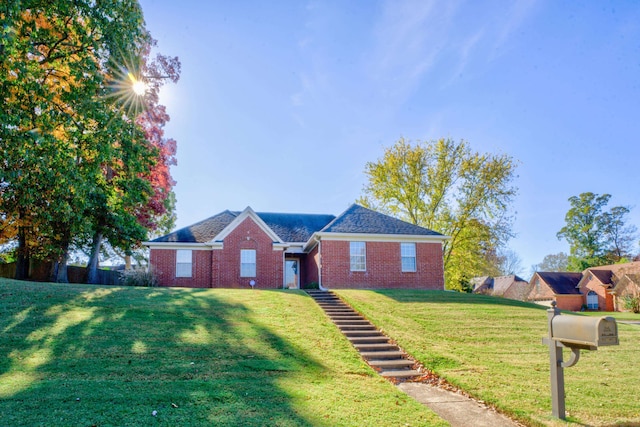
[22,261]
[53,273]
[61,276]
[94,259]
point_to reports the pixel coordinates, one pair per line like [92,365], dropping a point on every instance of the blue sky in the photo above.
[282,103]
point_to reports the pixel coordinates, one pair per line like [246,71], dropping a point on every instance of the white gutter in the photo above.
[322,288]
[177,245]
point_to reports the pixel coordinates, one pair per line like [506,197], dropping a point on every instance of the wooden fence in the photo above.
[41,272]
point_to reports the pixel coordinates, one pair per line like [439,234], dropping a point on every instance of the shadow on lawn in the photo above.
[431,296]
[82,355]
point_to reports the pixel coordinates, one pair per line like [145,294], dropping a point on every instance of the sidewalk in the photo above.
[457,409]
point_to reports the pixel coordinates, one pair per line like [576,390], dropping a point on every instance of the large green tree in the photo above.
[596,236]
[445,186]
[71,156]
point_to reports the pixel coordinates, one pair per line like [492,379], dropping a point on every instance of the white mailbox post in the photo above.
[576,333]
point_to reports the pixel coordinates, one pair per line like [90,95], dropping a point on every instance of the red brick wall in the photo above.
[571,302]
[540,291]
[163,262]
[226,262]
[383,269]
[221,267]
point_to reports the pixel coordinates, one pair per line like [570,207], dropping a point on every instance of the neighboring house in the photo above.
[561,287]
[482,285]
[360,248]
[596,288]
[511,286]
[603,286]
[628,286]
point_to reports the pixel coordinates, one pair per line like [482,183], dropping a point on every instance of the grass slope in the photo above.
[491,348]
[106,356]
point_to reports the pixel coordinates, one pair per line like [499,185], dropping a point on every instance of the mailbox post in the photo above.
[576,333]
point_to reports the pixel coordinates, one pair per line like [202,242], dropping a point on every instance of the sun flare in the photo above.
[139,87]
[128,87]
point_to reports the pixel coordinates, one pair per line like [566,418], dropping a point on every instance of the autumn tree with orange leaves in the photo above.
[75,159]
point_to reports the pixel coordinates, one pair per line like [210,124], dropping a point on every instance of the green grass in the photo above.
[625,315]
[491,348]
[76,355]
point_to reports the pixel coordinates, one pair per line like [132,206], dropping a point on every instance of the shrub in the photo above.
[312,285]
[631,303]
[139,277]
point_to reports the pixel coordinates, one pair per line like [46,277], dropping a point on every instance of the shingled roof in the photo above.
[200,232]
[502,283]
[298,228]
[295,227]
[289,227]
[562,283]
[360,220]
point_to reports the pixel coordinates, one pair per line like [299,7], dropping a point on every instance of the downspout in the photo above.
[211,267]
[322,288]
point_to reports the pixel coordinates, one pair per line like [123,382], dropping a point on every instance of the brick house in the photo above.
[561,287]
[603,286]
[628,286]
[596,288]
[360,248]
[595,285]
[510,286]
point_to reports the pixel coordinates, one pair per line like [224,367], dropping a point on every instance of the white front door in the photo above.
[291,276]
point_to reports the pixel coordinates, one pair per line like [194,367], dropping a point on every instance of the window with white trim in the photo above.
[408,257]
[184,262]
[592,300]
[358,256]
[247,263]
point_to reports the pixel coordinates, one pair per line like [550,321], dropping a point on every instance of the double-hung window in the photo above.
[358,256]
[408,257]
[247,263]
[184,262]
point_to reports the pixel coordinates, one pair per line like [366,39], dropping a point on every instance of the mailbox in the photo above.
[577,333]
[584,332]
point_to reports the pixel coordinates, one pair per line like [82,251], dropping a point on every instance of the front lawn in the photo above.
[491,347]
[79,355]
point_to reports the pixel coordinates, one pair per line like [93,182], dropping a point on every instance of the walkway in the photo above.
[391,362]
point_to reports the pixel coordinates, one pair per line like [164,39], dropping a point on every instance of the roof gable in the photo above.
[248,213]
[630,282]
[360,220]
[604,276]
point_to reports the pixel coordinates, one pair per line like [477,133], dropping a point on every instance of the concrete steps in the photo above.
[375,347]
